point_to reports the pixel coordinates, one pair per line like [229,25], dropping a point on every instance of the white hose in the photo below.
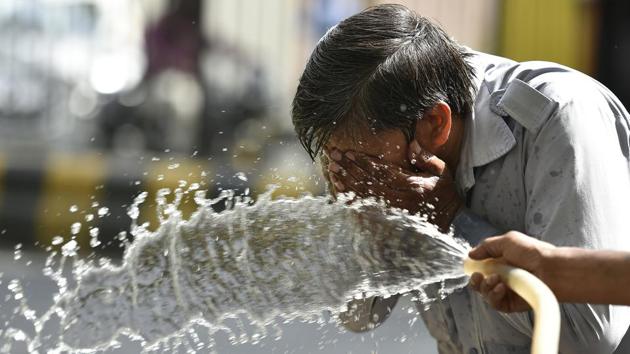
[546,310]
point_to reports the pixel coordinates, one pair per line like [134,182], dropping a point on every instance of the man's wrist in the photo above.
[559,270]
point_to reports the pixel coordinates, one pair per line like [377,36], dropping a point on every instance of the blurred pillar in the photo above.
[471,23]
[561,31]
[614,48]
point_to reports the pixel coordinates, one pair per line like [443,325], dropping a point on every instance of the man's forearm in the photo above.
[579,275]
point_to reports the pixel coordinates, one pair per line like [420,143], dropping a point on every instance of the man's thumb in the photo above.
[424,160]
[492,247]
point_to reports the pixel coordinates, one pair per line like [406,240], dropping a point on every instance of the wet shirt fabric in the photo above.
[546,152]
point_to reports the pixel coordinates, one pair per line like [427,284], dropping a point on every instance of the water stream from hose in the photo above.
[267,261]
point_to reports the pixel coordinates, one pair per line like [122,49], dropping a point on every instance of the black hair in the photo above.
[382,68]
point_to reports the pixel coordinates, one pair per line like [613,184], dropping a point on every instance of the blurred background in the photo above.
[103,99]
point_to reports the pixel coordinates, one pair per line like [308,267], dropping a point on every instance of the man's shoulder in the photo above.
[558,82]
[531,92]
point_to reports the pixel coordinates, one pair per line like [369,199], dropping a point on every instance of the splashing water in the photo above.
[286,258]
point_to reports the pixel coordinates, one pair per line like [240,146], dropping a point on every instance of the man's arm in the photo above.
[573,274]
[589,276]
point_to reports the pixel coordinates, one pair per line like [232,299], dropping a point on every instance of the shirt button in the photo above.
[473,351]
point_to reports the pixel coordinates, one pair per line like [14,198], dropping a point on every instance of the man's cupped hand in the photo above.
[427,188]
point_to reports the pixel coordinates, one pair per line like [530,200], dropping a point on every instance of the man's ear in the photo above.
[434,129]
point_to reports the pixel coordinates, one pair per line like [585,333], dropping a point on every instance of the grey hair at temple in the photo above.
[381,68]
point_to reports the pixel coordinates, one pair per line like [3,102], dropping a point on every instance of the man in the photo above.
[478,143]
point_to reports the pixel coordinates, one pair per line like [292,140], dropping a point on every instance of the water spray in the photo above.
[268,261]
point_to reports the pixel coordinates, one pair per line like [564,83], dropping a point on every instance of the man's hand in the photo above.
[516,249]
[430,190]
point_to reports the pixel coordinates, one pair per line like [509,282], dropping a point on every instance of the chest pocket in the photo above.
[523,103]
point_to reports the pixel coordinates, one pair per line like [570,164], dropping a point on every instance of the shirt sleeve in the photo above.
[472,228]
[366,314]
[577,184]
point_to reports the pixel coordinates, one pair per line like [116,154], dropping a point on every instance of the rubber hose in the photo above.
[546,334]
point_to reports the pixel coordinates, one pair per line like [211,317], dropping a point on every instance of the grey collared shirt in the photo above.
[546,152]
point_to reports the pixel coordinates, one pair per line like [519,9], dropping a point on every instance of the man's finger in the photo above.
[341,164]
[489,283]
[348,183]
[338,185]
[492,247]
[348,177]
[475,281]
[392,175]
[424,160]
[423,182]
[497,296]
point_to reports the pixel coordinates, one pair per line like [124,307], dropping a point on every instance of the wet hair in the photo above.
[381,68]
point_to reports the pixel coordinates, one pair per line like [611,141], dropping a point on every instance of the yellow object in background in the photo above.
[70,180]
[172,174]
[560,31]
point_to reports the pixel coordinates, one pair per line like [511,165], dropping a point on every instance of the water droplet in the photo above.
[412,321]
[74,208]
[89,217]
[75,228]
[57,240]
[17,254]
[224,149]
[173,166]
[94,242]
[70,248]
[241,176]
[19,336]
[102,211]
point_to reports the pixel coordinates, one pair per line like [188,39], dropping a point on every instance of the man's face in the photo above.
[389,146]
[380,166]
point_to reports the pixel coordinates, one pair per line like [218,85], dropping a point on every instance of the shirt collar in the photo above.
[487,137]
